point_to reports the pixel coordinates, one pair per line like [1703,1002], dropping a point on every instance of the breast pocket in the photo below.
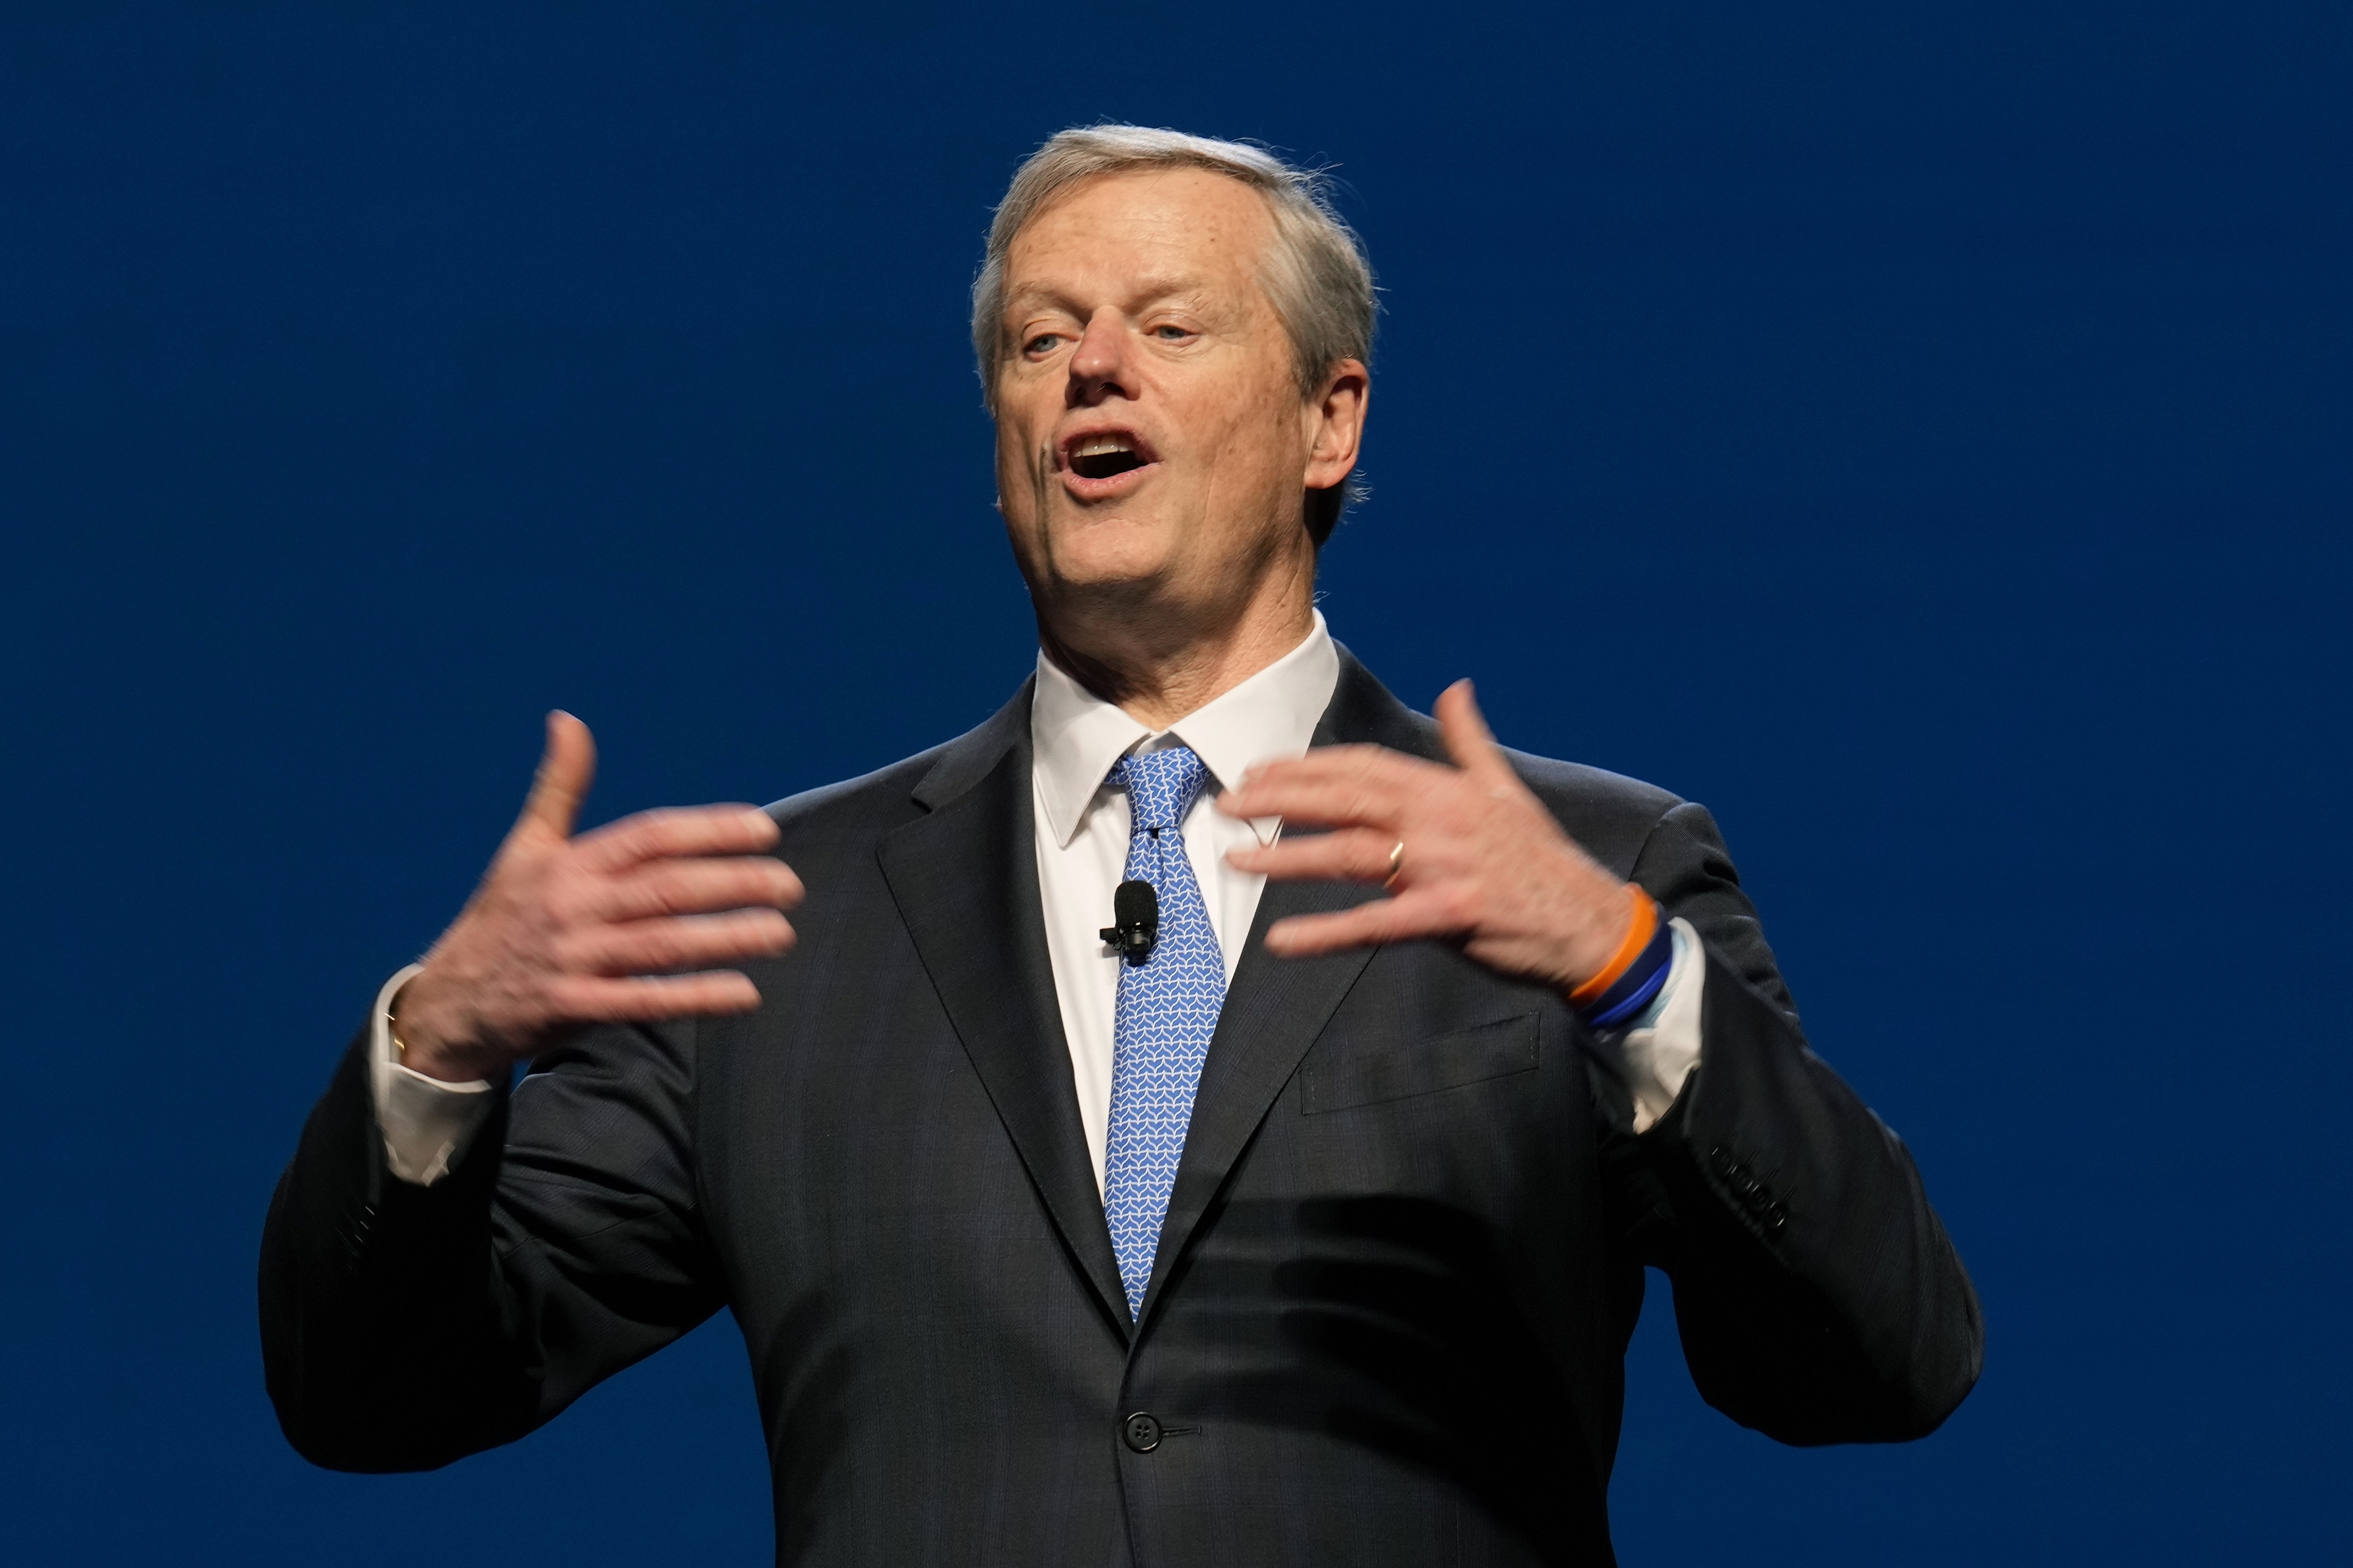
[1424,1067]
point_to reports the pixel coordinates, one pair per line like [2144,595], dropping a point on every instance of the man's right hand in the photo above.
[566,931]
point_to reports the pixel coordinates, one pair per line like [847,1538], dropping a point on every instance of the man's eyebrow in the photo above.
[1150,292]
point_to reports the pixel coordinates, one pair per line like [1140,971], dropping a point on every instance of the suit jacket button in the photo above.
[1141,1432]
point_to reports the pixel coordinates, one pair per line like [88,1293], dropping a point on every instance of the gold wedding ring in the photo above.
[1397,864]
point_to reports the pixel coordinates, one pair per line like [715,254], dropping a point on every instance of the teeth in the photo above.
[1104,456]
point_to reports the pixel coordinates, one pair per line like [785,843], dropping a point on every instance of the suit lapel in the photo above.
[1277,1007]
[965,880]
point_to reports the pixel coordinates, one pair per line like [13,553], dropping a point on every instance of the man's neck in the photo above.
[1157,680]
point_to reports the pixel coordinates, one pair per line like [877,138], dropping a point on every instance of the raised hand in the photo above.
[1481,862]
[565,931]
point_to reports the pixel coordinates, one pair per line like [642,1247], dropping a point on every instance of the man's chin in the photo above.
[1112,552]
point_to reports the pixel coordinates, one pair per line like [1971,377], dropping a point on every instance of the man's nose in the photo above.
[1099,366]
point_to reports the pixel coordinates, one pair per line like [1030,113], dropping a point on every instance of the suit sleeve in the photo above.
[1817,1295]
[406,1326]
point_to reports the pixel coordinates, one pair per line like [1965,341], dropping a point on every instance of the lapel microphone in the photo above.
[1135,910]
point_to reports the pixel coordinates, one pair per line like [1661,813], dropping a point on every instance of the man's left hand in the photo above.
[1481,863]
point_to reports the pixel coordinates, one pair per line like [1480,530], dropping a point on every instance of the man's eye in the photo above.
[1044,342]
[1170,333]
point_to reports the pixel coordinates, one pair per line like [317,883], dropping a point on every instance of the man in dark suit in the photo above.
[1209,1114]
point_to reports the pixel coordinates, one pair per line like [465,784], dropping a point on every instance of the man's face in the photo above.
[1152,445]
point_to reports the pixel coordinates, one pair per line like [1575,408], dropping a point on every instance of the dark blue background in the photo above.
[1921,433]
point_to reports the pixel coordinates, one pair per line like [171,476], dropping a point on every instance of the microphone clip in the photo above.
[1136,915]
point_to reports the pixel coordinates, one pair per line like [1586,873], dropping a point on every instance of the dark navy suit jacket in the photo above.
[1400,1265]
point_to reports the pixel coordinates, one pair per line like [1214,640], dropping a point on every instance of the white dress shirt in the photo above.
[1081,844]
[1083,829]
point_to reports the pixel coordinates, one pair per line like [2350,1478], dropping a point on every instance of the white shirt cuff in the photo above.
[426,1123]
[1657,1051]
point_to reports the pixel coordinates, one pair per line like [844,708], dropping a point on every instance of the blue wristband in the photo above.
[1633,991]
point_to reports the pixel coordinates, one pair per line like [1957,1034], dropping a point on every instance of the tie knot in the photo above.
[1161,785]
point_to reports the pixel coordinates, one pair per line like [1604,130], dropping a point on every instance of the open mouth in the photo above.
[1106,456]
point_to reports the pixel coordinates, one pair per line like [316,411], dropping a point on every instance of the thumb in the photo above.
[1468,739]
[565,769]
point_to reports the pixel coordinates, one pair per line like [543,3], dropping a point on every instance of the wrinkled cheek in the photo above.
[1240,471]
[1024,480]
[1041,477]
[1017,475]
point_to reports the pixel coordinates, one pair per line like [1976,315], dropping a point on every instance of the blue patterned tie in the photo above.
[1168,1011]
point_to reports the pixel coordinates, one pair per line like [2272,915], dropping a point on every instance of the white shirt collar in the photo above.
[1076,736]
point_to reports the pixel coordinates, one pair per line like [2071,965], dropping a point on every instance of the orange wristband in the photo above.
[1638,932]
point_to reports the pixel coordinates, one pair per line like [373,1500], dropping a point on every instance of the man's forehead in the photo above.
[1156,231]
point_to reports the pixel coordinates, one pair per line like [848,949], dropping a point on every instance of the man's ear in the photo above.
[1338,412]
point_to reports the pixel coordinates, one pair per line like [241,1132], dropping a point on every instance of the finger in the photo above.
[1350,855]
[567,768]
[677,830]
[1334,787]
[1407,918]
[689,941]
[695,887]
[590,1000]
[1468,739]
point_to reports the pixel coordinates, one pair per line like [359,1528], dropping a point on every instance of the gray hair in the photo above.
[1314,273]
